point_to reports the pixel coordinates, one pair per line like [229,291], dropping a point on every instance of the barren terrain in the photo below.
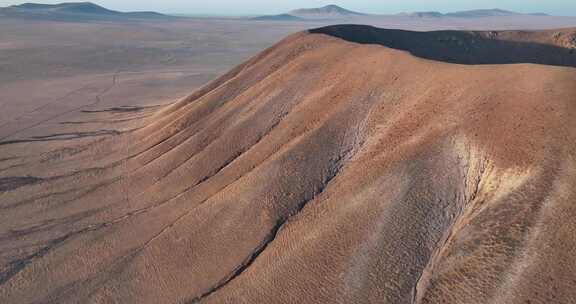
[346,164]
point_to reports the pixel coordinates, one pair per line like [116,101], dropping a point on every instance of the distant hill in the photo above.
[479,13]
[72,7]
[483,13]
[281,17]
[426,14]
[334,12]
[320,13]
[73,11]
[326,12]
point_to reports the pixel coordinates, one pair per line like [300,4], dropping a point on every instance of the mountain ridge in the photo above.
[73,11]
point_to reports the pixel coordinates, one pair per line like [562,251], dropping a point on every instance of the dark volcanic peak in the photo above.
[329,11]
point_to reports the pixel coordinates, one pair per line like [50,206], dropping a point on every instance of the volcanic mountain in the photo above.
[346,164]
[325,12]
[321,13]
[72,11]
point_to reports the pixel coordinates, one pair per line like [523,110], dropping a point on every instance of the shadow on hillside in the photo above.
[456,46]
[11,183]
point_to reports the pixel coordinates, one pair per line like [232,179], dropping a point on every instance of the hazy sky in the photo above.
[244,7]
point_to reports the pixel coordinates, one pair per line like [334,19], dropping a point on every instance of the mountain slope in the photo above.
[334,167]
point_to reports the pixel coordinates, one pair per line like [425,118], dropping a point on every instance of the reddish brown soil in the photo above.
[321,171]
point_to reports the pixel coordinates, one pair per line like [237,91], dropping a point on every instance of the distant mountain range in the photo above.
[73,11]
[87,11]
[479,13]
[333,12]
